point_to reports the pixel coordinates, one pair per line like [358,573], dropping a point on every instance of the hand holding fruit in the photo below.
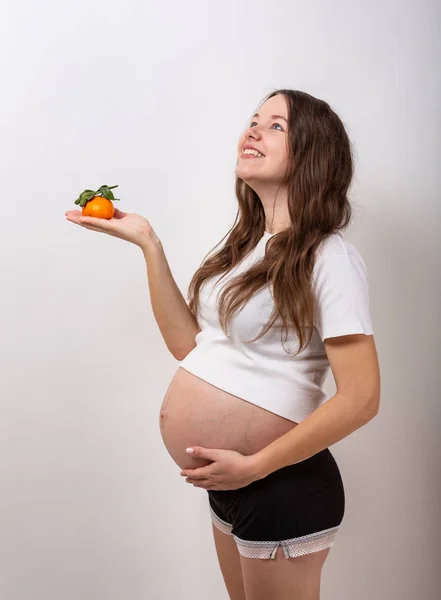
[100,215]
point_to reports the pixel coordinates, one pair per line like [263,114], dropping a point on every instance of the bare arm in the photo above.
[175,321]
[354,363]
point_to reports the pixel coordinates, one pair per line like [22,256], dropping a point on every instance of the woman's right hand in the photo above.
[126,226]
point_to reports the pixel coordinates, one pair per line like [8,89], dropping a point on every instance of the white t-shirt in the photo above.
[262,372]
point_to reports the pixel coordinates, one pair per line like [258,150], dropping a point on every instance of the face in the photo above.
[269,136]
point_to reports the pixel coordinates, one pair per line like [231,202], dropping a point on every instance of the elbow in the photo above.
[372,409]
[181,354]
[372,401]
[178,355]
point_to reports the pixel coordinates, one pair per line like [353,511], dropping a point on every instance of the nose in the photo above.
[251,137]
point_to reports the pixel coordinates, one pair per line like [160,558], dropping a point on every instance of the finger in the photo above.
[91,227]
[118,214]
[76,217]
[197,482]
[200,473]
[103,223]
[72,216]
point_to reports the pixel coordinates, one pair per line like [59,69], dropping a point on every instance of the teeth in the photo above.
[254,152]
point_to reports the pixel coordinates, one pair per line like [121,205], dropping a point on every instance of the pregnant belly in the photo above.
[194,412]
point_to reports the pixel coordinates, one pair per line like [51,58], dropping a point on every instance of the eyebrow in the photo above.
[273,117]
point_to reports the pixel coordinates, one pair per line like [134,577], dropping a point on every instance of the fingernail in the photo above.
[189,450]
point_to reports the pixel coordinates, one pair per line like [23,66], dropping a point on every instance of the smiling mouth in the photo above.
[243,155]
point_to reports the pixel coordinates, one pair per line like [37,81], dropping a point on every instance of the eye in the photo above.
[251,124]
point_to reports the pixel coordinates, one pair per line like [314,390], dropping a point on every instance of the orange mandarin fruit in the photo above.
[99,207]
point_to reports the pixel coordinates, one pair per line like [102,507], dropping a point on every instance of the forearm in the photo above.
[177,325]
[332,421]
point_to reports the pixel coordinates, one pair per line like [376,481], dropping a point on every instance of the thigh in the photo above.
[282,579]
[230,565]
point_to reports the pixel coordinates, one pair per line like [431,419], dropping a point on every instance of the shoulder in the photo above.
[336,244]
[340,262]
[336,248]
[341,287]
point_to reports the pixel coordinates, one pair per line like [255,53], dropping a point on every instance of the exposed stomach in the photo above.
[194,412]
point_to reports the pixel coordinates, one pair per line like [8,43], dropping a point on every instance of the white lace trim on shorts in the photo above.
[313,542]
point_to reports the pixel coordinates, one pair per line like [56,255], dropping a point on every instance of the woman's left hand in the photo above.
[230,470]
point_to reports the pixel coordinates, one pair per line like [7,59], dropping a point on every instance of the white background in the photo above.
[154,97]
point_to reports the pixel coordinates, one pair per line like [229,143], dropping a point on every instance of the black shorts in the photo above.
[298,507]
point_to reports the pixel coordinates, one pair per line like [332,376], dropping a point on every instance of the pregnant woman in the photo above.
[284,299]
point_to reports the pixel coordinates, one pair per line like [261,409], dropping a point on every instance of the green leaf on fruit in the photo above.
[87,195]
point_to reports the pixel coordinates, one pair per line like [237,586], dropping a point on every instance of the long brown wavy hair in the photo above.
[318,177]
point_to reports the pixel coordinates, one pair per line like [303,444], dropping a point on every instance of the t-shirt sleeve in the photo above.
[342,295]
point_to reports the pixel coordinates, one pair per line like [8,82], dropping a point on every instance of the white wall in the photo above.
[133,93]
